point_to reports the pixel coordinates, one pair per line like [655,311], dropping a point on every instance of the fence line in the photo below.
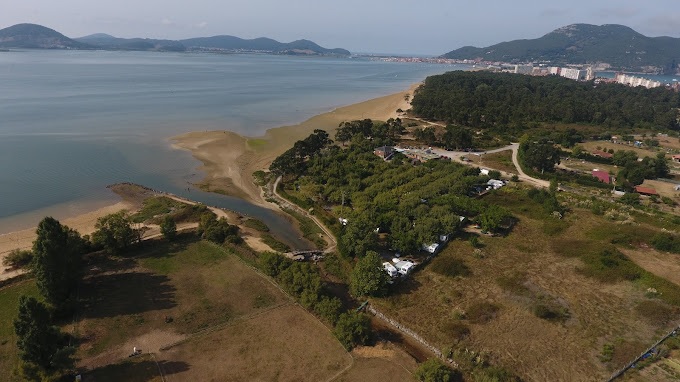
[410,333]
[650,349]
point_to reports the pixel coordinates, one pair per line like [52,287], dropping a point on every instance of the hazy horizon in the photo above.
[426,28]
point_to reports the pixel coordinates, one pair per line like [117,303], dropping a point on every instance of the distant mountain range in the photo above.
[32,36]
[618,45]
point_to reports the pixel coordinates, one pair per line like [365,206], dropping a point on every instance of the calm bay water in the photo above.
[72,122]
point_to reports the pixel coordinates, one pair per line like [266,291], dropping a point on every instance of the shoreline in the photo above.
[228,159]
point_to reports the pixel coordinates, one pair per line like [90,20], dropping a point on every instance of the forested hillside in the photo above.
[618,45]
[499,100]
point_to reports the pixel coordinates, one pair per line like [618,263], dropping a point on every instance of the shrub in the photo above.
[449,266]
[482,312]
[607,353]
[353,329]
[168,228]
[329,309]
[18,258]
[494,174]
[456,330]
[631,199]
[515,178]
[551,312]
[666,242]
[668,201]
[433,370]
[275,244]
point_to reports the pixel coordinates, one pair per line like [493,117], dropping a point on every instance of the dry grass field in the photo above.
[591,146]
[537,264]
[284,344]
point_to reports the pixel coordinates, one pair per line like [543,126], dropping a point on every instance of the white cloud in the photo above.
[167,21]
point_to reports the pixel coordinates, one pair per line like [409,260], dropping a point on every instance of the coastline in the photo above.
[229,159]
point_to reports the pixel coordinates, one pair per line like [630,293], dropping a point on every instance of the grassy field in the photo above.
[498,161]
[206,316]
[9,301]
[547,268]
[283,344]
[163,294]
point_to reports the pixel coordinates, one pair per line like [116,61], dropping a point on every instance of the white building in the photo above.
[495,183]
[390,269]
[404,267]
[523,69]
[573,74]
[636,81]
[431,248]
[554,70]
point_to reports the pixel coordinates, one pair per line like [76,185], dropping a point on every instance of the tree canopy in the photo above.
[115,233]
[501,100]
[433,370]
[368,276]
[57,255]
[43,347]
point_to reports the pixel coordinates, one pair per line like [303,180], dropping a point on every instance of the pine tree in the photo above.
[57,259]
[43,347]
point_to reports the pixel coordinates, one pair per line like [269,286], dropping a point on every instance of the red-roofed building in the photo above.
[676,158]
[602,176]
[645,191]
[602,154]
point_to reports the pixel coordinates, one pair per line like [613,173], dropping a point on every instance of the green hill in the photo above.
[620,46]
[32,36]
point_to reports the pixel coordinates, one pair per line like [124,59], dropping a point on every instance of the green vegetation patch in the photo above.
[167,258]
[9,301]
[274,243]
[154,206]
[256,225]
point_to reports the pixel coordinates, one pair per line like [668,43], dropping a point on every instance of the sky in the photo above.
[425,27]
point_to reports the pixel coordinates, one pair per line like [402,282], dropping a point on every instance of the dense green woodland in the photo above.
[512,101]
[413,204]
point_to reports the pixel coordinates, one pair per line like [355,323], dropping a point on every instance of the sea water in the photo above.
[73,122]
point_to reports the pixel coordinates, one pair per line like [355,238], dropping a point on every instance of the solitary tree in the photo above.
[43,347]
[168,228]
[57,252]
[115,232]
[368,277]
[353,329]
[540,156]
[493,218]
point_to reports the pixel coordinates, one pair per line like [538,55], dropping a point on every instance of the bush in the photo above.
[630,198]
[18,258]
[168,228]
[494,174]
[353,329]
[456,330]
[449,266]
[668,201]
[275,244]
[515,178]
[666,242]
[433,370]
[482,312]
[329,309]
[551,312]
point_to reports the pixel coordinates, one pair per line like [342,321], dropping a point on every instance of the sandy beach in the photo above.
[230,159]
